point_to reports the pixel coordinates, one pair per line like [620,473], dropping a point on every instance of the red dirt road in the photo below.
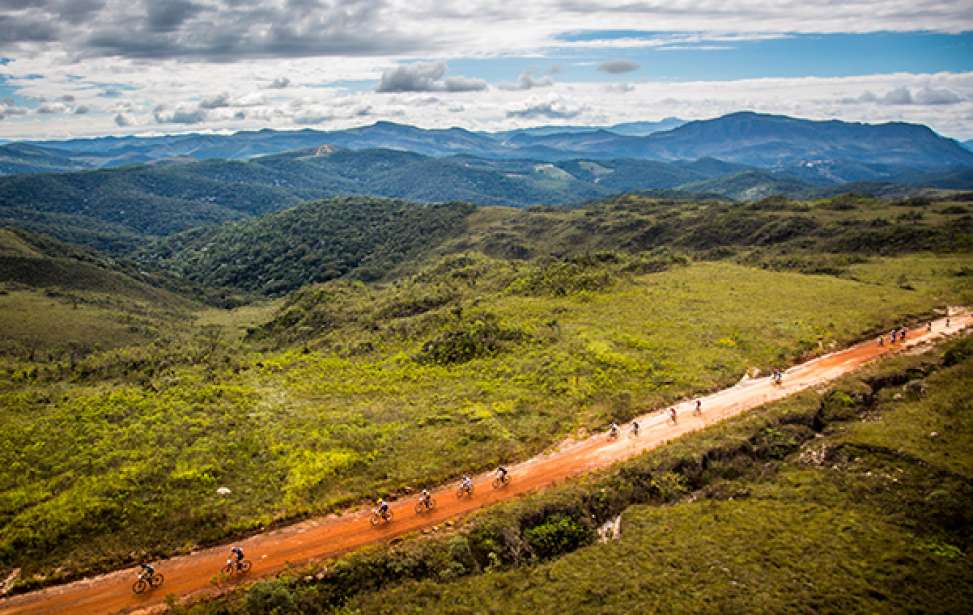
[319,538]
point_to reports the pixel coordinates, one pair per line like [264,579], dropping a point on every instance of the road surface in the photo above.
[318,538]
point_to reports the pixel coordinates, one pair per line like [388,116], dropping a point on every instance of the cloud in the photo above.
[426,77]
[933,96]
[528,82]
[551,108]
[180,115]
[903,95]
[81,110]
[9,108]
[618,66]
[619,88]
[122,120]
[279,83]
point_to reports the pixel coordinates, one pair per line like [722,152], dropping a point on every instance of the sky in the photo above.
[71,68]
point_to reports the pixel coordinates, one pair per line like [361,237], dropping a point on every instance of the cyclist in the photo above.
[467,483]
[698,410]
[147,571]
[672,415]
[502,474]
[425,499]
[383,508]
[635,428]
[237,553]
[929,326]
[613,430]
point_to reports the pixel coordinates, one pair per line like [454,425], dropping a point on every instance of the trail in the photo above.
[323,537]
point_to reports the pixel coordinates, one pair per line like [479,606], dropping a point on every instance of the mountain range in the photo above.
[822,152]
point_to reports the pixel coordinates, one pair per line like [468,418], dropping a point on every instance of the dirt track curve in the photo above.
[328,536]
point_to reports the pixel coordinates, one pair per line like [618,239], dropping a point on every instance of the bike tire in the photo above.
[420,508]
[140,586]
[375,520]
[245,566]
[156,580]
[227,569]
[432,503]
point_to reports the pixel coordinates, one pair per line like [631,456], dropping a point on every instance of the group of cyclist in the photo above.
[614,430]
[150,578]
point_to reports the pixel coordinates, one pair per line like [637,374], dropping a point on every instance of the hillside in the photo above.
[370,239]
[58,298]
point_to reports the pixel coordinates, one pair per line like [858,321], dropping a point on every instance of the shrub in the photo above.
[558,535]
[478,337]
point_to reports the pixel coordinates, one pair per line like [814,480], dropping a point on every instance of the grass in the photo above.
[118,455]
[872,517]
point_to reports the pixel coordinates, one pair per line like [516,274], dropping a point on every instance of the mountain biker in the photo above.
[635,428]
[467,483]
[672,415]
[699,407]
[881,340]
[892,335]
[237,553]
[425,498]
[502,474]
[929,326]
[613,430]
[147,570]
[903,333]
[383,508]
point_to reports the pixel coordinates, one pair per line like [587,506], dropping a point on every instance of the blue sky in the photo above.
[104,67]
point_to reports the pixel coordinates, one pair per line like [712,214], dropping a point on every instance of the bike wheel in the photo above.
[156,580]
[245,566]
[497,483]
[375,519]
[140,586]
[432,504]
[388,517]
[227,569]
[420,507]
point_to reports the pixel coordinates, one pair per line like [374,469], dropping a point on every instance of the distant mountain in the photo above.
[776,141]
[820,152]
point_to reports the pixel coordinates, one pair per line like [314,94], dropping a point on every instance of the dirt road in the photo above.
[325,537]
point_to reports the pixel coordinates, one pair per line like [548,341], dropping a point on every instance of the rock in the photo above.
[8,583]
[223,491]
[934,435]
[897,397]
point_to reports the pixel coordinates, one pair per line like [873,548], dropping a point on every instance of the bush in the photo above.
[558,535]
[479,337]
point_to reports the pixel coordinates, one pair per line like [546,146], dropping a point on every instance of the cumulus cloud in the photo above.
[903,95]
[527,81]
[552,108]
[618,66]
[426,77]
[9,108]
[179,115]
[122,120]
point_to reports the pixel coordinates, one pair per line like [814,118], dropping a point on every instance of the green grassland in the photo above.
[336,396]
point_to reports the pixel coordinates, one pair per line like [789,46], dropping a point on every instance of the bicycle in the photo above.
[501,481]
[233,566]
[146,582]
[378,518]
[464,491]
[425,505]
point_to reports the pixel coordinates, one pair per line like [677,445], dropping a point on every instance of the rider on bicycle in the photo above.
[502,474]
[383,507]
[237,554]
[613,429]
[425,498]
[147,570]
[635,428]
[467,483]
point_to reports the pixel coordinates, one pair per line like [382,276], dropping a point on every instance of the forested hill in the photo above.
[370,239]
[314,242]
